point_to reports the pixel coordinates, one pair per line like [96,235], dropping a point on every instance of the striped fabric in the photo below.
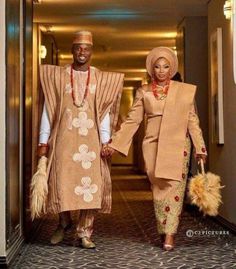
[108,95]
[85,223]
[107,187]
[49,75]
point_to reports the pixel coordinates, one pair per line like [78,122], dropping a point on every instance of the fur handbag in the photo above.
[39,189]
[205,191]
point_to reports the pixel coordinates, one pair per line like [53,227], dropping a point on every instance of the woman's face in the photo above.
[162,70]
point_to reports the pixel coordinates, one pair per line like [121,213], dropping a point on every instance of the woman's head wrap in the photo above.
[162,52]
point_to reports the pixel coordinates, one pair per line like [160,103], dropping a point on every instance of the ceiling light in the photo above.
[228,6]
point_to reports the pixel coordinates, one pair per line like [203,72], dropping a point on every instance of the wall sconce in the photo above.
[228,9]
[43,52]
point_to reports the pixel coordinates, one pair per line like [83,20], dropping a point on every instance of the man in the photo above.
[79,114]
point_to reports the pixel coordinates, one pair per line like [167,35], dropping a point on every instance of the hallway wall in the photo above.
[196,63]
[11,119]
[222,159]
[193,64]
[2,130]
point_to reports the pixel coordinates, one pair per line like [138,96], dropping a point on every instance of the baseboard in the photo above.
[14,249]
[219,219]
[3,262]
[11,253]
[229,225]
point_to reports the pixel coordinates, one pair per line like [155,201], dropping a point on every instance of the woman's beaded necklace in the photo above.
[158,91]
[75,93]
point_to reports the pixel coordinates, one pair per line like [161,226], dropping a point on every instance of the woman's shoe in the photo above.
[168,244]
[168,247]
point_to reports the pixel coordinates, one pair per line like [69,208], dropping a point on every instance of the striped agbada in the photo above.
[77,177]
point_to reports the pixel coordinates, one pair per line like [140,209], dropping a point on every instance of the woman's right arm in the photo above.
[122,139]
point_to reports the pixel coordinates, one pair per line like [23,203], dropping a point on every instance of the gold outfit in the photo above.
[166,146]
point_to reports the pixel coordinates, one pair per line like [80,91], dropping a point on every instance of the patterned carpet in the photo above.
[127,238]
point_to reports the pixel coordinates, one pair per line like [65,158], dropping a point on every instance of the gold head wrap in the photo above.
[162,52]
[83,37]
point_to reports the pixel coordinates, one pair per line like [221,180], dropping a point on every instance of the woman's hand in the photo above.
[107,151]
[201,157]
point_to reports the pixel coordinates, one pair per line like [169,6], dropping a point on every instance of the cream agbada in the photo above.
[80,112]
[74,145]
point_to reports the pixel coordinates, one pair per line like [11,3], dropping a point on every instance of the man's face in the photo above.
[81,53]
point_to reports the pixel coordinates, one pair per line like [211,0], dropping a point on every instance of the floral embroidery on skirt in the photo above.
[168,210]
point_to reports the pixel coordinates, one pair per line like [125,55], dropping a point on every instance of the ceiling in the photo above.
[123,31]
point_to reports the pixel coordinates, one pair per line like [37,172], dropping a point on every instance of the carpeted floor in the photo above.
[127,238]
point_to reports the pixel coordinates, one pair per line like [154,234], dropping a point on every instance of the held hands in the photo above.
[107,151]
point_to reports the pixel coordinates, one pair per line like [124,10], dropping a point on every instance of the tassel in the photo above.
[39,189]
[204,192]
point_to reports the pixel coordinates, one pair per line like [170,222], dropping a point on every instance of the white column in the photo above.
[2,131]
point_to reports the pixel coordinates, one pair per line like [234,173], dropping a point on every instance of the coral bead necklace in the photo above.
[158,91]
[75,93]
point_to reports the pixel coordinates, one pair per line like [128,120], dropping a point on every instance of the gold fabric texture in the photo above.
[166,146]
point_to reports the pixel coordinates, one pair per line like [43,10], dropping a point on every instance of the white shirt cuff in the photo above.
[45,129]
[105,129]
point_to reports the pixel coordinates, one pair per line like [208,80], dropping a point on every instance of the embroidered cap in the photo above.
[162,52]
[83,37]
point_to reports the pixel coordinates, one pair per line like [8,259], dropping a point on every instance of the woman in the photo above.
[171,120]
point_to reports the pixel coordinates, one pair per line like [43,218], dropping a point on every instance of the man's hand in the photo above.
[42,150]
[107,151]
